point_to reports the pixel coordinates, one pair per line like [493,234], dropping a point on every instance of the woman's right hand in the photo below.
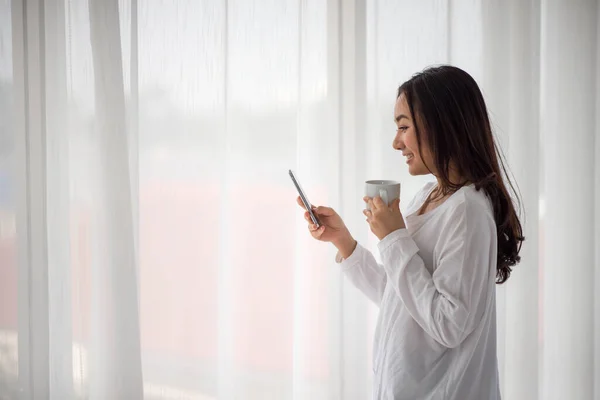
[332,227]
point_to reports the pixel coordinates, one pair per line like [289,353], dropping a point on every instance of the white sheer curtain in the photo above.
[150,245]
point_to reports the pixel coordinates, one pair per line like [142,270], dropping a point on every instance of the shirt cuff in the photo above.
[392,238]
[352,260]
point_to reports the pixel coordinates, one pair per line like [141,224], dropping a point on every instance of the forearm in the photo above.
[346,245]
[361,268]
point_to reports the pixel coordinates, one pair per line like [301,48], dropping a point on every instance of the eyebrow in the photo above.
[399,117]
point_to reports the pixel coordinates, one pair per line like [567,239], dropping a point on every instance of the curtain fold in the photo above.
[115,358]
[58,174]
[178,264]
[511,83]
[521,295]
[569,70]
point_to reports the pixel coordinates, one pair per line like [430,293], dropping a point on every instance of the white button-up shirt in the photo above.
[436,332]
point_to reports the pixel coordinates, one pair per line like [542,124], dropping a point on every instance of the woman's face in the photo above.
[406,140]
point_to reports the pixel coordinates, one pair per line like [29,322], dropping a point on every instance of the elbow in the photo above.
[452,333]
[452,341]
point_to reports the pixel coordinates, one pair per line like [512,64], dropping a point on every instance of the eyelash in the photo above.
[403,128]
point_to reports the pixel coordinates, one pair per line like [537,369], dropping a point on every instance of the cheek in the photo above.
[427,157]
[411,142]
[421,160]
[427,162]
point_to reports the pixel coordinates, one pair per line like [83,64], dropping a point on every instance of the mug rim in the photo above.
[382,182]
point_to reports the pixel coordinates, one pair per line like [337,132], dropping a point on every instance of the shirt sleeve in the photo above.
[449,303]
[362,270]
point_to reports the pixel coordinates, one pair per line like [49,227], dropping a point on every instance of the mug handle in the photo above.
[384,196]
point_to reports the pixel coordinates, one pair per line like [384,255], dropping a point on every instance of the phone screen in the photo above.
[304,199]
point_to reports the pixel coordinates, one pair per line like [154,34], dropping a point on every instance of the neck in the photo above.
[453,176]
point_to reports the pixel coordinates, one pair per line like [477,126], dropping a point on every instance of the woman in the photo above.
[436,332]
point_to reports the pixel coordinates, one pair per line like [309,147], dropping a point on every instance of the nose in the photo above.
[398,143]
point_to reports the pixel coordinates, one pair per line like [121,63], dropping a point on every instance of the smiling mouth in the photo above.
[409,157]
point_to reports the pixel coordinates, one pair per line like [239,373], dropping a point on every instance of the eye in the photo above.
[402,129]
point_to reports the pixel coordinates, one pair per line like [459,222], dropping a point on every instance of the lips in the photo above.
[408,157]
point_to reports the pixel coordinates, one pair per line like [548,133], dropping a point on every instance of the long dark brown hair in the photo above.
[450,108]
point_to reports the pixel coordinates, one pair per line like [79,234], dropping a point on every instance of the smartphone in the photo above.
[304,199]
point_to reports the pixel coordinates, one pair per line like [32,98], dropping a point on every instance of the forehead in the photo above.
[401,106]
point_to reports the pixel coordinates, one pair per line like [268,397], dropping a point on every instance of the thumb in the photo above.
[324,211]
[395,205]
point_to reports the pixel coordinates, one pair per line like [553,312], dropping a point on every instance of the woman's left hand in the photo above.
[382,219]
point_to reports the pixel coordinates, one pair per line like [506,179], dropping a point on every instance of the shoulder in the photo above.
[471,208]
[467,223]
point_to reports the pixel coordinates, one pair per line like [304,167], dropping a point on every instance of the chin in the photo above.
[415,171]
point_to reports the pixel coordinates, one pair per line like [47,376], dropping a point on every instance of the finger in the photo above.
[366,199]
[371,205]
[307,216]
[395,205]
[300,203]
[312,227]
[318,233]
[368,214]
[378,202]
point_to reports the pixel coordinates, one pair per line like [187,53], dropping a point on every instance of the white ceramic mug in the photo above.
[387,190]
